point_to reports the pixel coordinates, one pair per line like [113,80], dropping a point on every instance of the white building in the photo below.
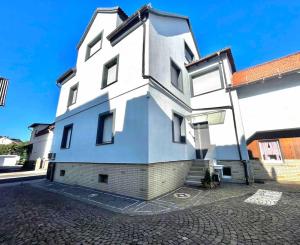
[40,143]
[269,101]
[4,140]
[138,109]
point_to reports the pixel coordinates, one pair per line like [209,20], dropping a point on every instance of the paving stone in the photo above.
[30,215]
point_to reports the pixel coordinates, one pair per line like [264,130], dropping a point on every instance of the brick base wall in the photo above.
[237,171]
[139,181]
[288,171]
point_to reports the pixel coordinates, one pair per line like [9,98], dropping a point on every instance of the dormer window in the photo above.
[94,46]
[110,72]
[189,56]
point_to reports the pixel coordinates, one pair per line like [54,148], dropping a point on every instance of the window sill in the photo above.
[180,90]
[103,87]
[178,142]
[105,143]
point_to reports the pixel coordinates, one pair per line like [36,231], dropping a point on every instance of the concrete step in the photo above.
[198,173]
[195,168]
[193,183]
[194,177]
[201,163]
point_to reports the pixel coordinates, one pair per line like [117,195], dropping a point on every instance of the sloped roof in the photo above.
[226,50]
[269,69]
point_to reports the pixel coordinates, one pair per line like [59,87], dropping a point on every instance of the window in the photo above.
[73,95]
[270,150]
[105,129]
[62,172]
[94,46]
[178,126]
[103,178]
[207,82]
[66,138]
[110,72]
[227,172]
[176,76]
[189,56]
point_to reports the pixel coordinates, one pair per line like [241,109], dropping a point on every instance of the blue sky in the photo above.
[38,43]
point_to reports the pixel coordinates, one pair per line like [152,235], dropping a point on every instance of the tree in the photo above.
[19,149]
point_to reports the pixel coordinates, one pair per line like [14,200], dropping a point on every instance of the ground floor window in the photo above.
[227,172]
[270,150]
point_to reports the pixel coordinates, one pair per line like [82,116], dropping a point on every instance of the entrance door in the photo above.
[202,139]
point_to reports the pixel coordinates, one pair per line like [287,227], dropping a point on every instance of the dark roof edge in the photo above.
[36,124]
[112,10]
[65,75]
[226,50]
[123,26]
[274,134]
[149,9]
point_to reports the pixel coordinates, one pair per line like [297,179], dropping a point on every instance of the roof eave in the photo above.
[226,50]
[66,76]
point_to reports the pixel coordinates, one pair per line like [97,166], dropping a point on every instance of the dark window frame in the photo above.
[62,172]
[182,138]
[180,80]
[100,128]
[188,49]
[63,144]
[71,94]
[201,73]
[227,176]
[98,38]
[103,178]
[105,69]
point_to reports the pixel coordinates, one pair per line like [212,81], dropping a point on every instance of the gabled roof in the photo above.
[112,10]
[226,50]
[277,67]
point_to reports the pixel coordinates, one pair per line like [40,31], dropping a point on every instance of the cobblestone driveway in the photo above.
[32,216]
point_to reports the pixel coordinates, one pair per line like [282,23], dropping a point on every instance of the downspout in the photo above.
[235,124]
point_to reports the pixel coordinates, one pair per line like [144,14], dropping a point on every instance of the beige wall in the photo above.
[288,171]
[139,181]
[237,171]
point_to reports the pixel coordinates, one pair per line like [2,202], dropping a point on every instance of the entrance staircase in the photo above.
[196,173]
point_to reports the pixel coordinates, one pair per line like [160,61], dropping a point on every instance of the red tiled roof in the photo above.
[266,70]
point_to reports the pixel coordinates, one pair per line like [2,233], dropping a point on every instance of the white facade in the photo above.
[143,100]
[41,141]
[270,105]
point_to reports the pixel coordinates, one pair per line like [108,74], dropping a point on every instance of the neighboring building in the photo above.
[138,109]
[3,90]
[269,102]
[4,140]
[9,160]
[40,144]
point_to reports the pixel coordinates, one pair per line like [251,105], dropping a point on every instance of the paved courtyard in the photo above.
[267,214]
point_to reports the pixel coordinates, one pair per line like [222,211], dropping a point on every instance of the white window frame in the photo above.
[201,73]
[260,142]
